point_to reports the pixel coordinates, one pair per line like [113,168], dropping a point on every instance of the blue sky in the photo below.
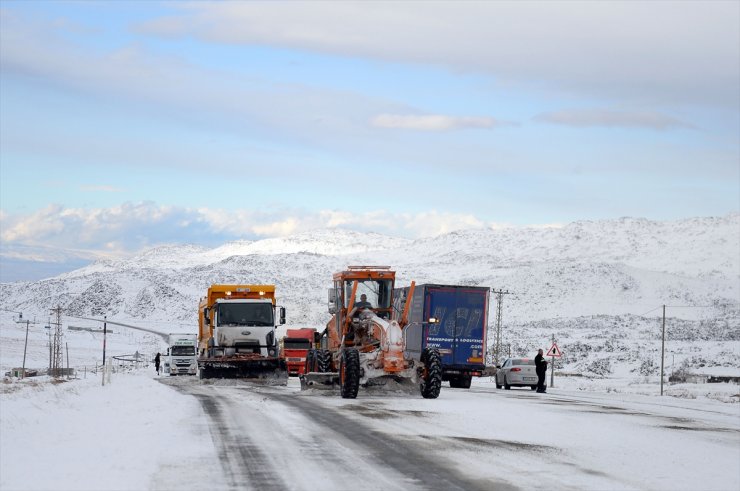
[125,125]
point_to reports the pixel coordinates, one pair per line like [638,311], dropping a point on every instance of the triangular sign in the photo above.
[554,351]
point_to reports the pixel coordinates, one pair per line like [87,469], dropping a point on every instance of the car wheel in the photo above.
[506,384]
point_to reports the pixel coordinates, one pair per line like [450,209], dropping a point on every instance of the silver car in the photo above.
[516,372]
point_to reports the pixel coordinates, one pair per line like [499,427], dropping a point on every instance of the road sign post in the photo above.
[553,352]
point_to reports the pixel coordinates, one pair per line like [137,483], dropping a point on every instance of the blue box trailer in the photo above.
[459,329]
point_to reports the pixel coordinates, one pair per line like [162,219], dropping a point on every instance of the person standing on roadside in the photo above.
[156,362]
[540,367]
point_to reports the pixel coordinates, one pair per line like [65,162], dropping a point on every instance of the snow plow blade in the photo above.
[319,380]
[269,370]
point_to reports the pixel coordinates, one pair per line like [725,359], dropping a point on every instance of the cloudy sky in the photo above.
[124,125]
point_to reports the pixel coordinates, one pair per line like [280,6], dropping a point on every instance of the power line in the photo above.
[651,310]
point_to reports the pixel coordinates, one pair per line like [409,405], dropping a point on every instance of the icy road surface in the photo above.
[282,438]
[142,432]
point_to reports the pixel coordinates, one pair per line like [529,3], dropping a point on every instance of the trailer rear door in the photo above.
[460,334]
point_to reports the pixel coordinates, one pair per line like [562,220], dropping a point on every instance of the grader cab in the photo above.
[363,343]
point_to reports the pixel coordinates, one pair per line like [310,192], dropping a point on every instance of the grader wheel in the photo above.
[431,376]
[323,361]
[349,373]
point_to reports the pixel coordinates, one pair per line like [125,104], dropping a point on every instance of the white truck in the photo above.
[181,355]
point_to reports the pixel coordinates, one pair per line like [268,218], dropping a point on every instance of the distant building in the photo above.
[18,372]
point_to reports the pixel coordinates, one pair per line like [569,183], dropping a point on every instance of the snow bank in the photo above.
[68,435]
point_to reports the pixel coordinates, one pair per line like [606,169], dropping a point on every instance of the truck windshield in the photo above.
[378,292]
[245,314]
[182,350]
[297,344]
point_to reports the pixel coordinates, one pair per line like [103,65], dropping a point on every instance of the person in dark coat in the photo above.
[156,363]
[540,367]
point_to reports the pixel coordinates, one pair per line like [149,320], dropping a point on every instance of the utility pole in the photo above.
[499,300]
[48,327]
[105,332]
[25,346]
[662,353]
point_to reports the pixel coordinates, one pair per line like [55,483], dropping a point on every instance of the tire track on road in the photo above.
[405,458]
[246,466]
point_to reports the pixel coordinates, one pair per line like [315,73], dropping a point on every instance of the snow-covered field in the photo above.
[135,433]
[132,433]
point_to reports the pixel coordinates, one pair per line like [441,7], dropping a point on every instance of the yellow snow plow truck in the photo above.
[236,335]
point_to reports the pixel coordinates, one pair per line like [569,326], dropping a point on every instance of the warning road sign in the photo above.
[554,351]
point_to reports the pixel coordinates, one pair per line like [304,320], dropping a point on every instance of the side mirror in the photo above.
[498,366]
[316,337]
[282,315]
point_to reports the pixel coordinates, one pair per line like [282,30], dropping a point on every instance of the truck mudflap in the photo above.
[244,366]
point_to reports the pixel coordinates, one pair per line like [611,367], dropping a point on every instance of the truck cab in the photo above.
[243,326]
[295,347]
[181,356]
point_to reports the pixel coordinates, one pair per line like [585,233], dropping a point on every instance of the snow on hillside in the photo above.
[326,242]
[618,269]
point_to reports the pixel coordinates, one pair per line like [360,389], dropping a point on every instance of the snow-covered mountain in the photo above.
[585,283]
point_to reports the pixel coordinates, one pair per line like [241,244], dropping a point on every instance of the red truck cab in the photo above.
[296,344]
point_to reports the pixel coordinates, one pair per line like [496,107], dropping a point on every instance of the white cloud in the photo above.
[279,228]
[431,122]
[641,51]
[130,227]
[613,118]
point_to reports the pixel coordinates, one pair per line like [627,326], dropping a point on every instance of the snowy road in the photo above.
[275,438]
[282,438]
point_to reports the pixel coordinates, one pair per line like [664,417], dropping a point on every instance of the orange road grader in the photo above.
[364,343]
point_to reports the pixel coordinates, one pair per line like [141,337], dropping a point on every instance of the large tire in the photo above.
[465,381]
[461,382]
[431,376]
[349,373]
[323,360]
